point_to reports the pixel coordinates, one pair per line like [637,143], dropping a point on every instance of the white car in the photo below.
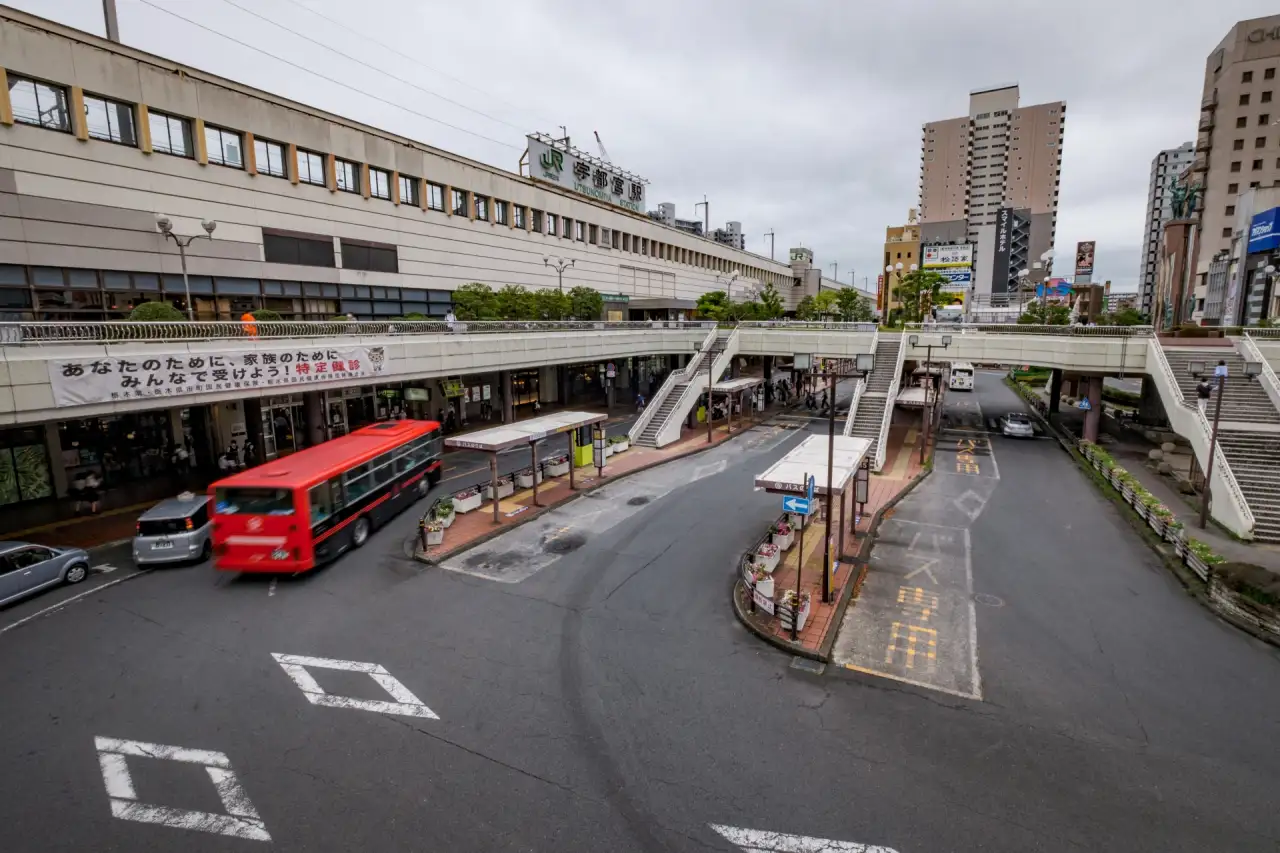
[1017,425]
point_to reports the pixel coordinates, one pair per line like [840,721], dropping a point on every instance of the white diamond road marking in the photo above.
[240,821]
[762,841]
[406,703]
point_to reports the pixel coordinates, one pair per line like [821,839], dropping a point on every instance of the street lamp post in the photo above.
[864,363]
[1252,369]
[166,228]
[928,378]
[560,265]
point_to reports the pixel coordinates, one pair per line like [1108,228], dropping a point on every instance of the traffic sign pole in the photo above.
[795,607]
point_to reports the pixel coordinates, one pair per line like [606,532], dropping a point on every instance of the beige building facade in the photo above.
[901,255]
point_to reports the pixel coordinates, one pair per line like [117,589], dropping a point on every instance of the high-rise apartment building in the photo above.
[1165,168]
[1238,144]
[991,179]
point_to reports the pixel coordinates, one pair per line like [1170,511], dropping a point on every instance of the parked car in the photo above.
[26,568]
[174,531]
[1017,425]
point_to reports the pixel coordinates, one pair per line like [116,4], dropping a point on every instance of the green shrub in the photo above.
[156,312]
[266,315]
[1204,552]
[1253,582]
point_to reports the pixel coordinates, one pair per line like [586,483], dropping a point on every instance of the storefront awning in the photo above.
[524,432]
[731,386]
[810,457]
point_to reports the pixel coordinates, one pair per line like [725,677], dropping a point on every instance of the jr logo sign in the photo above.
[552,161]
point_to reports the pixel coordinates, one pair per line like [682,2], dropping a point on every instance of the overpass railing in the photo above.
[1076,331]
[808,325]
[108,332]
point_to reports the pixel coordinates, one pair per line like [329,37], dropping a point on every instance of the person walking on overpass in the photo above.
[1203,390]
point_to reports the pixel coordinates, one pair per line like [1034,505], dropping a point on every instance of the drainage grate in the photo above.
[807,665]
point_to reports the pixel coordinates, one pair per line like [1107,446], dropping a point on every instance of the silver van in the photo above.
[174,530]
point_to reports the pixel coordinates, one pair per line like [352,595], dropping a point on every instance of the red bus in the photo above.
[292,514]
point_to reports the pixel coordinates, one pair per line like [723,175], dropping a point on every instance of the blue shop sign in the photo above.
[1264,231]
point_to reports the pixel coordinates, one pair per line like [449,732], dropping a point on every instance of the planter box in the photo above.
[446,520]
[620,446]
[765,587]
[525,481]
[608,450]
[798,521]
[784,542]
[769,563]
[784,615]
[435,537]
[504,489]
[557,470]
[467,504]
[1156,522]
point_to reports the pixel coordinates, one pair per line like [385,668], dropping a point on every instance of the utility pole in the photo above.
[109,16]
[706,212]
[835,270]
[769,234]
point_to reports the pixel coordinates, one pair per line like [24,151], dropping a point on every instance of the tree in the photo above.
[551,304]
[475,301]
[1042,314]
[806,310]
[156,312]
[714,305]
[854,307]
[585,304]
[1125,317]
[826,303]
[513,302]
[770,303]
[413,315]
[919,291]
[266,315]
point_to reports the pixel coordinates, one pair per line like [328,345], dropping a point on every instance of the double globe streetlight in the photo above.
[166,228]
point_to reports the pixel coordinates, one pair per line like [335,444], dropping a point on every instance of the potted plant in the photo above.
[435,532]
[445,512]
[619,443]
[767,556]
[525,477]
[798,520]
[505,487]
[763,582]
[787,609]
[467,499]
[783,536]
[556,466]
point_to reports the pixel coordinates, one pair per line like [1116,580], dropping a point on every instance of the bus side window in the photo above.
[384,469]
[321,501]
[358,482]
[337,495]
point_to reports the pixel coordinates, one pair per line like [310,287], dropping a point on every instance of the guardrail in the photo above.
[670,431]
[1268,334]
[216,330]
[1076,331]
[890,400]
[857,393]
[815,325]
[1270,383]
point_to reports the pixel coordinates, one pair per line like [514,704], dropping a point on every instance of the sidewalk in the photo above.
[478,525]
[900,468]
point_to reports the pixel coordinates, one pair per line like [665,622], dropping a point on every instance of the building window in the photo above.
[1264,119]
[306,251]
[1246,77]
[551,225]
[346,176]
[269,157]
[409,190]
[500,211]
[1243,121]
[519,213]
[110,121]
[535,221]
[482,208]
[311,168]
[1232,189]
[1266,97]
[580,231]
[1260,142]
[1231,210]
[1235,165]
[1238,145]
[1226,232]
[224,147]
[593,235]
[374,257]
[380,183]
[459,202]
[170,134]
[566,225]
[1257,165]
[1244,99]
[435,197]
[1253,185]
[40,104]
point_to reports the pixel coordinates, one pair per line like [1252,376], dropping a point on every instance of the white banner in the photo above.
[948,256]
[140,376]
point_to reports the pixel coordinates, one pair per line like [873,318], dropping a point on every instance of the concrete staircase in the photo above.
[1254,458]
[669,409]
[1245,401]
[870,415]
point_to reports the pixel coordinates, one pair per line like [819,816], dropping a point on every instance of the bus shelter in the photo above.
[531,433]
[847,457]
[734,390]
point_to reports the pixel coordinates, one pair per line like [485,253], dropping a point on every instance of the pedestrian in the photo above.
[1220,373]
[77,491]
[450,319]
[537,407]
[92,483]
[1203,390]
[639,402]
[250,324]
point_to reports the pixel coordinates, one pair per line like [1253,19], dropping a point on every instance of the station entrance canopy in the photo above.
[810,457]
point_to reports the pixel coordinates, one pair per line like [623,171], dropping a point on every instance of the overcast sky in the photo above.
[800,116]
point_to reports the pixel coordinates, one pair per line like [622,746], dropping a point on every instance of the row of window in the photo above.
[45,105]
[1256,166]
[1264,99]
[1264,119]
[1258,142]
[1267,74]
[316,251]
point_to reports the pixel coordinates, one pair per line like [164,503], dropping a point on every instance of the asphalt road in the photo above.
[608,700]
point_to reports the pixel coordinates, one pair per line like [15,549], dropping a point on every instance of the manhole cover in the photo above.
[988,599]
[564,544]
[640,500]
[807,665]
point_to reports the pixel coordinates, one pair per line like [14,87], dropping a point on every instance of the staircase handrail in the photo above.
[673,378]
[1200,437]
[890,399]
[717,368]
[1270,383]
[857,393]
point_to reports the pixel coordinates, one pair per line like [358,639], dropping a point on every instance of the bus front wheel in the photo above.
[360,532]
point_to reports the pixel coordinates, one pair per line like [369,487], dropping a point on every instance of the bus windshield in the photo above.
[246,501]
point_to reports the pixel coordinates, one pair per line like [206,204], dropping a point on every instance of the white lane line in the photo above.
[140,749]
[973,614]
[763,841]
[74,598]
[330,663]
[271,589]
[115,773]
[406,704]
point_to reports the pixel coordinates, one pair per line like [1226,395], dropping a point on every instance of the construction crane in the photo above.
[604,153]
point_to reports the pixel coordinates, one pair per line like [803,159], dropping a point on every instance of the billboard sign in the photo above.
[555,162]
[1000,273]
[1264,235]
[948,256]
[1084,260]
[957,277]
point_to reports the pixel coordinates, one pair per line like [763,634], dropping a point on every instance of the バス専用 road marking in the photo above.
[406,703]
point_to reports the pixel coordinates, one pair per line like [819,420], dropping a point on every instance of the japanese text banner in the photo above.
[78,382]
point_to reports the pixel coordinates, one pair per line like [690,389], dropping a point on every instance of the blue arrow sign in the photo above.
[799,506]
[809,491]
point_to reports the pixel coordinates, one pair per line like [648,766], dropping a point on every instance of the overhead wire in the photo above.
[359,61]
[328,79]
[346,28]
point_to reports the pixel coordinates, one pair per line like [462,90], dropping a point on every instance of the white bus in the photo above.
[961,376]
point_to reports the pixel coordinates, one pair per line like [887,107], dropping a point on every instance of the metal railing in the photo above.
[675,377]
[721,362]
[890,400]
[1263,333]
[1270,384]
[1076,331]
[807,325]
[216,330]
[857,393]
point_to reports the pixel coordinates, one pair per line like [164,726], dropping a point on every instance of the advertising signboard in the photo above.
[1084,261]
[1000,259]
[948,256]
[1264,236]
[555,162]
